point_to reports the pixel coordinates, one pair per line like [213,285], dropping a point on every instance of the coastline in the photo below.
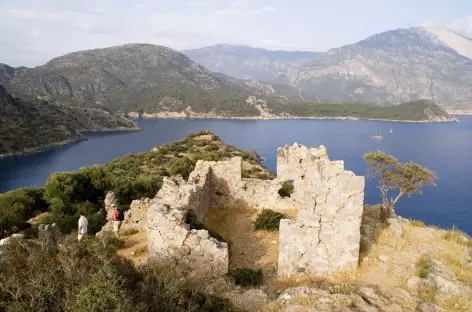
[79,138]
[460,112]
[39,149]
[273,117]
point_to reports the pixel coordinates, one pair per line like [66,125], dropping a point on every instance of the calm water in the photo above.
[444,148]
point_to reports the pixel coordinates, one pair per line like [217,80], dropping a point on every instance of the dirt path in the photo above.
[135,248]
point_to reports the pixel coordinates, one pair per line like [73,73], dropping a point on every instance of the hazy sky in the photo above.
[33,31]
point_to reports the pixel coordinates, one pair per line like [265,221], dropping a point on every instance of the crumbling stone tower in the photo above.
[325,237]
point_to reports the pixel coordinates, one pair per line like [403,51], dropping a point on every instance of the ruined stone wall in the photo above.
[325,237]
[170,239]
[230,190]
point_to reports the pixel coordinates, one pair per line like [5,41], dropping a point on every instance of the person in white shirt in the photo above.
[83,224]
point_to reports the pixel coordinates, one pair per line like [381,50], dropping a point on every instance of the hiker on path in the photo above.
[116,221]
[82,228]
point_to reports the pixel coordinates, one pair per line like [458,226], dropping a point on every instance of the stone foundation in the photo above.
[323,239]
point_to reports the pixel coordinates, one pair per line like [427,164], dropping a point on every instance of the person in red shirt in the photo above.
[116,221]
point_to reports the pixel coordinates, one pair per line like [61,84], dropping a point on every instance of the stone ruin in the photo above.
[324,238]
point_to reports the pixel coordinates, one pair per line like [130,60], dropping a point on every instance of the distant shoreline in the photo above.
[183,116]
[79,138]
[39,149]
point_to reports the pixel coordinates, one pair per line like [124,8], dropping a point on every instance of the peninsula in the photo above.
[31,126]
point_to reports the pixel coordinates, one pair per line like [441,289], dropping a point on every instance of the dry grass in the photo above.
[135,248]
[128,232]
[427,294]
[248,248]
[275,285]
[458,237]
[392,261]
[456,304]
[462,272]
[417,223]
[423,265]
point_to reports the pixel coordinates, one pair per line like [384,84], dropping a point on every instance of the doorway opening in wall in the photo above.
[248,248]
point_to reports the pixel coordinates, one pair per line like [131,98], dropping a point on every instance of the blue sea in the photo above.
[444,148]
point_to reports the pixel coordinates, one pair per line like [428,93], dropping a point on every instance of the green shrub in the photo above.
[246,276]
[95,222]
[18,206]
[65,222]
[212,147]
[102,293]
[183,166]
[268,220]
[113,242]
[286,190]
[216,304]
[90,276]
[30,233]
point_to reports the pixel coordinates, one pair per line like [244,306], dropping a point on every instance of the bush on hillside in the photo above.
[90,276]
[246,276]
[268,220]
[286,190]
[183,166]
[18,206]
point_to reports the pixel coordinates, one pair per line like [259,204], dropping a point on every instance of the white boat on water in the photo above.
[391,131]
[377,137]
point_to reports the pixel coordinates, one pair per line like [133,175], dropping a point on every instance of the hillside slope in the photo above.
[30,126]
[387,68]
[135,77]
[247,62]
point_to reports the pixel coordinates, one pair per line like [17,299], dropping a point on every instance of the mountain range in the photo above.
[396,66]
[92,90]
[136,78]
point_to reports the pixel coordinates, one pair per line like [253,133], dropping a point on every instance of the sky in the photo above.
[34,31]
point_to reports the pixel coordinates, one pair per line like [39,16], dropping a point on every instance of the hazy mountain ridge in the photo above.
[29,126]
[156,81]
[386,68]
[135,77]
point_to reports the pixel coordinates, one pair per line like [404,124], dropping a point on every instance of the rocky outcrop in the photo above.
[348,298]
[134,218]
[110,202]
[49,230]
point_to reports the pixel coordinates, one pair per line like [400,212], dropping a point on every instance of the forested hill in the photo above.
[27,126]
[415,111]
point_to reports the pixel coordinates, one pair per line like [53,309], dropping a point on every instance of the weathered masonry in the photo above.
[324,237]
